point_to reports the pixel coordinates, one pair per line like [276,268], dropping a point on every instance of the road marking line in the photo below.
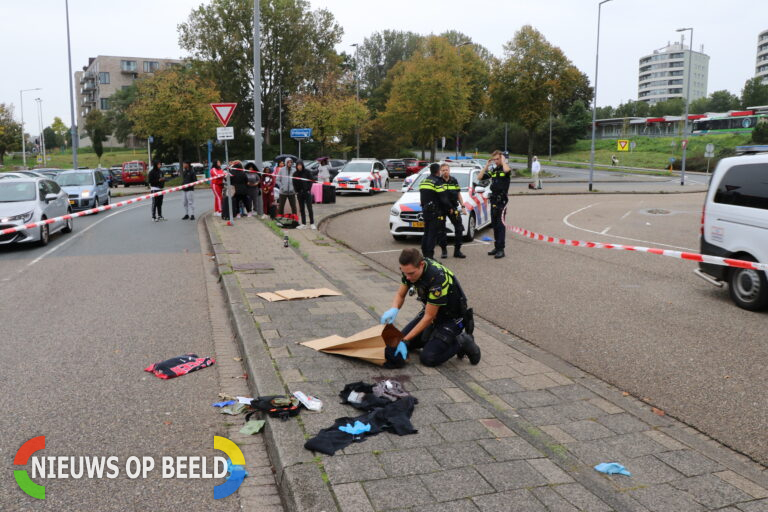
[605,230]
[568,223]
[626,215]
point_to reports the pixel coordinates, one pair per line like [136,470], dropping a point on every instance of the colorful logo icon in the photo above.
[237,474]
[22,477]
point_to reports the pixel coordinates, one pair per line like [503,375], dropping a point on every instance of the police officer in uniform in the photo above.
[452,191]
[500,175]
[433,204]
[445,325]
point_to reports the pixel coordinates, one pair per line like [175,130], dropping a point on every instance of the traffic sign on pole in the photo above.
[622,145]
[301,133]
[223,111]
[684,143]
[225,133]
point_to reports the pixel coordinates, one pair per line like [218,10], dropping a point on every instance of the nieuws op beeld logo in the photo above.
[79,467]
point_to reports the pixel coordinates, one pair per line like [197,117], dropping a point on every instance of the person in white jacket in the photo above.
[536,172]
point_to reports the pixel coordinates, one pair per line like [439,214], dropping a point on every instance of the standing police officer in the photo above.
[444,327]
[500,175]
[433,204]
[452,191]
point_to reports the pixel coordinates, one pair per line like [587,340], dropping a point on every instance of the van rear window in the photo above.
[133,167]
[744,185]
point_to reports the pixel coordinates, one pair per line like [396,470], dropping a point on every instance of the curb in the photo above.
[299,479]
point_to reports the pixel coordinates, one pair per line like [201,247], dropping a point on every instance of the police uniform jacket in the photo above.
[433,202]
[452,189]
[440,287]
[499,180]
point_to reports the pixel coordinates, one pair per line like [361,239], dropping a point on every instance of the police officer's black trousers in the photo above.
[431,235]
[437,342]
[458,231]
[498,209]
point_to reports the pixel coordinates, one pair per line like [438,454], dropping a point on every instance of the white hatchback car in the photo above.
[361,175]
[27,200]
[406,218]
[734,224]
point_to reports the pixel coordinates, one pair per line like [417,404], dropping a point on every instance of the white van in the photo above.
[734,224]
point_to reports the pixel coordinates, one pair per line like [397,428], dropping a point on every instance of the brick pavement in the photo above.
[519,431]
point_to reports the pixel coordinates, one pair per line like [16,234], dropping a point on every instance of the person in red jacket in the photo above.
[268,188]
[217,185]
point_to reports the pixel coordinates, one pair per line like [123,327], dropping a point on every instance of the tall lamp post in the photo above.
[40,124]
[687,102]
[357,97]
[257,153]
[23,140]
[458,53]
[75,142]
[594,100]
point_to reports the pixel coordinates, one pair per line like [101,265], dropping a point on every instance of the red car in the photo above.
[413,166]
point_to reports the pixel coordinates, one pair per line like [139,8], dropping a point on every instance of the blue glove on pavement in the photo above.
[612,468]
[389,316]
[402,349]
[358,428]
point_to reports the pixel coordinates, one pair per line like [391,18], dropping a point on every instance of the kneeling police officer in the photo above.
[445,325]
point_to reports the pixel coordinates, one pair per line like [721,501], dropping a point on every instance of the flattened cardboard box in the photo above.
[367,345]
[310,293]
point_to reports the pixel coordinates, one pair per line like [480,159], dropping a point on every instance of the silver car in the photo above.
[87,188]
[26,200]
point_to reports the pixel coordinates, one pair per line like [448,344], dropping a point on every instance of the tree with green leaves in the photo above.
[430,97]
[533,76]
[332,112]
[10,131]
[632,109]
[379,53]
[120,102]
[61,130]
[51,139]
[175,106]
[670,107]
[754,93]
[297,52]
[760,133]
[97,129]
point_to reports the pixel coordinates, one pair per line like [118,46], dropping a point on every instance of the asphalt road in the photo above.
[80,320]
[644,323]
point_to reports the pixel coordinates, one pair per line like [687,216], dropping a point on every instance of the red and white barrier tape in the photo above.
[33,225]
[340,184]
[703,258]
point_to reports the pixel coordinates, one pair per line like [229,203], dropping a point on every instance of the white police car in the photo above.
[361,175]
[405,216]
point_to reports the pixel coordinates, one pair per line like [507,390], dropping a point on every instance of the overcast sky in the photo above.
[34,51]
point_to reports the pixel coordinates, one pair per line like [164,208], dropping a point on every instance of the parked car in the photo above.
[170,170]
[26,200]
[117,175]
[86,188]
[413,165]
[364,172]
[134,173]
[734,223]
[49,173]
[406,216]
[334,164]
[22,174]
[396,167]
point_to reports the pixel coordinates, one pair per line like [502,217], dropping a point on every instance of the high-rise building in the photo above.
[761,66]
[663,74]
[102,77]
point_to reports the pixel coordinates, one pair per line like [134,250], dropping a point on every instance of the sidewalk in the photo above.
[521,431]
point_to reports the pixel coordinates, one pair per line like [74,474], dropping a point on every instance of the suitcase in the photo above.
[329,194]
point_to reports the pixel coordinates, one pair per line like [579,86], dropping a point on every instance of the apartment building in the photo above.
[663,75]
[761,66]
[102,77]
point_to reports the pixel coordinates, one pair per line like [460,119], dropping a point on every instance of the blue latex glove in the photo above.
[224,404]
[358,428]
[389,316]
[232,469]
[612,468]
[402,349]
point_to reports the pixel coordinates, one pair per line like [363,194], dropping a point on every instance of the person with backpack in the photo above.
[303,187]
[156,184]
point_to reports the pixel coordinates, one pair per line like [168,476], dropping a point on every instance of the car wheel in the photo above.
[70,224]
[471,228]
[96,204]
[748,288]
[45,235]
[399,238]
[125,185]
[386,185]
[109,198]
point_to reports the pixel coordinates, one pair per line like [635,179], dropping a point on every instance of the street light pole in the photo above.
[40,127]
[687,102]
[550,128]
[357,96]
[73,128]
[594,99]
[257,150]
[23,140]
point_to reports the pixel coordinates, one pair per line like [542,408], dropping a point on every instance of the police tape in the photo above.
[33,225]
[338,184]
[691,256]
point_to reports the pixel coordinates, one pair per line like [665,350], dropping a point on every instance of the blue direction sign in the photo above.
[301,133]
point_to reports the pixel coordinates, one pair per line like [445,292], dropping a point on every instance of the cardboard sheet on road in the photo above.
[367,345]
[310,293]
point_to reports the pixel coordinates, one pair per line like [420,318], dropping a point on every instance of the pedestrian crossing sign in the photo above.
[623,145]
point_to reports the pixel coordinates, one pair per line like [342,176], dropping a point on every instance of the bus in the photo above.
[734,122]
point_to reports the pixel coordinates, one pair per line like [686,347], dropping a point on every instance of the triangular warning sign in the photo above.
[622,144]
[223,111]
